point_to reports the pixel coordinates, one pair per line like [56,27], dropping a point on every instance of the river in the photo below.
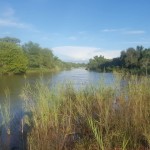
[14,84]
[78,77]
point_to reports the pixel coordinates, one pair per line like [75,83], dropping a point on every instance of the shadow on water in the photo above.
[15,136]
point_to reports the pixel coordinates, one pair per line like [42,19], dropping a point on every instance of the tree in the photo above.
[145,61]
[33,53]
[39,57]
[47,58]
[10,40]
[122,58]
[131,59]
[12,58]
[97,63]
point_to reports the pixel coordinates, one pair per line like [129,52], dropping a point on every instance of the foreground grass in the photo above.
[93,118]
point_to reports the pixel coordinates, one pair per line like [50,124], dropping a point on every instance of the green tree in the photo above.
[145,61]
[47,58]
[12,58]
[131,59]
[10,40]
[97,63]
[33,53]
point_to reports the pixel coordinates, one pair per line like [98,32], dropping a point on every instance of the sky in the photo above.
[77,30]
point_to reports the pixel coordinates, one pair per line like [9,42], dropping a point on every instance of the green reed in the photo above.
[5,110]
[103,117]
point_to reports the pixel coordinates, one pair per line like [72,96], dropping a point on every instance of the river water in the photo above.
[12,86]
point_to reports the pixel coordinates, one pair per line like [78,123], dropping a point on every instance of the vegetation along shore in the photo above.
[29,57]
[103,117]
[133,61]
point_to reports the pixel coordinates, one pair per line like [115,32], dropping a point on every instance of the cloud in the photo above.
[76,53]
[110,30]
[5,33]
[13,23]
[9,19]
[135,32]
[138,42]
[124,31]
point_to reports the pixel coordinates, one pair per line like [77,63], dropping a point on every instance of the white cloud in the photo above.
[5,33]
[82,53]
[124,31]
[135,32]
[110,30]
[138,42]
[13,23]
[9,19]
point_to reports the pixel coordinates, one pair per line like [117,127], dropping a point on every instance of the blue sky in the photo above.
[76,30]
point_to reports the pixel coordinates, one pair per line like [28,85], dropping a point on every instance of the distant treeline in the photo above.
[133,60]
[17,59]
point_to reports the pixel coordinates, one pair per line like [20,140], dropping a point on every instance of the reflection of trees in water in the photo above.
[16,137]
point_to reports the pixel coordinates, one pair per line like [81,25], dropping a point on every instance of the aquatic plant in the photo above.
[103,117]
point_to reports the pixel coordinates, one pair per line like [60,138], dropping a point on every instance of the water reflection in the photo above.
[14,136]
[78,77]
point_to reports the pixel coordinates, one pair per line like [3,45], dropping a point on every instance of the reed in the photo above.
[5,112]
[5,118]
[103,117]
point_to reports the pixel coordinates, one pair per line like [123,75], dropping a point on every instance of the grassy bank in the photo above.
[41,70]
[93,118]
[37,71]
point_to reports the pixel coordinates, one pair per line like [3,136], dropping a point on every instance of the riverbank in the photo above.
[36,71]
[133,61]
[42,70]
[103,117]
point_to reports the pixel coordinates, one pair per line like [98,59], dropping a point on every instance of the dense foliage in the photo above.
[133,60]
[38,57]
[12,58]
[16,58]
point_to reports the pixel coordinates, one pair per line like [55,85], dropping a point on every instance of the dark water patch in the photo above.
[14,135]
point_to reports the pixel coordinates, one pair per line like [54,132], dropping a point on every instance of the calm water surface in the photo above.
[78,77]
[14,84]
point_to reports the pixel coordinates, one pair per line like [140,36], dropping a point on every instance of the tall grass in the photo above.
[92,118]
[5,111]
[5,117]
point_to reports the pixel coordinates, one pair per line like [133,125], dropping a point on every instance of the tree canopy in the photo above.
[10,40]
[16,58]
[12,58]
[132,60]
